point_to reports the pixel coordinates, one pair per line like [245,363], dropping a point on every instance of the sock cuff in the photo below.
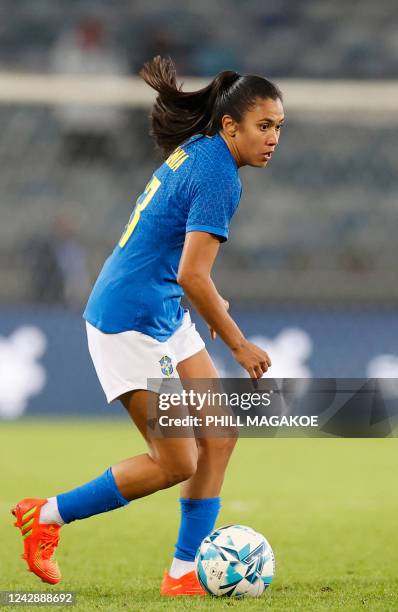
[111,480]
[62,511]
[203,503]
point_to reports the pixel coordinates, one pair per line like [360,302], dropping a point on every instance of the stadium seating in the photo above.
[326,203]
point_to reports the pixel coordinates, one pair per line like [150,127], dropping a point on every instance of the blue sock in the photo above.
[94,497]
[198,517]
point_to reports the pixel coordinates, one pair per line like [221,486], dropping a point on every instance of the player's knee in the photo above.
[217,447]
[180,470]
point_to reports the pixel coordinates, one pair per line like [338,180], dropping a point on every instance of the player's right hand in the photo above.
[252,358]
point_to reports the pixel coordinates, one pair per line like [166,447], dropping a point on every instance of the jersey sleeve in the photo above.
[214,197]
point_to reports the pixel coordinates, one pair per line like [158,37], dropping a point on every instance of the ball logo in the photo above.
[166,366]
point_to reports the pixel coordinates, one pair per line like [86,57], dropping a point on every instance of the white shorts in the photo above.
[126,360]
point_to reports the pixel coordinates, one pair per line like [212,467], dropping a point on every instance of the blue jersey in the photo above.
[196,189]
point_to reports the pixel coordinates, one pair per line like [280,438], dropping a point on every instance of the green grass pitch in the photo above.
[329,508]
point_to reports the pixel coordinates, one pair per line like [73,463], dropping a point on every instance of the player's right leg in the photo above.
[168,462]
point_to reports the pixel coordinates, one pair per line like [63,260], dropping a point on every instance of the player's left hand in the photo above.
[213,334]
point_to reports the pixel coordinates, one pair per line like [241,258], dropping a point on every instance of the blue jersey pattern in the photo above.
[196,189]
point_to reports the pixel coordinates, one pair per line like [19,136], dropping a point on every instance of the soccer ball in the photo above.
[235,561]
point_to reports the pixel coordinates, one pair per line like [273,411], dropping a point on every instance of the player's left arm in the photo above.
[213,333]
[199,253]
[194,275]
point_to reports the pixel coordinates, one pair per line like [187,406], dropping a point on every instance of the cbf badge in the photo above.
[166,366]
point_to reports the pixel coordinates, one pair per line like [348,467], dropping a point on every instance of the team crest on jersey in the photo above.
[166,366]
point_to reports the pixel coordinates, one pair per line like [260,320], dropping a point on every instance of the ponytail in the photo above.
[178,115]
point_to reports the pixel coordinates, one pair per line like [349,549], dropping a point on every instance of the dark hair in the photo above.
[177,115]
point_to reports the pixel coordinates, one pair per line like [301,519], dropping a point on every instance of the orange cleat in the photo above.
[40,540]
[188,584]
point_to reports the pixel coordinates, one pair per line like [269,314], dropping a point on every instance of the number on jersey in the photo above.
[147,196]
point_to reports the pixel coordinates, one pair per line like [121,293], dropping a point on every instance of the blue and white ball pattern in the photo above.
[235,561]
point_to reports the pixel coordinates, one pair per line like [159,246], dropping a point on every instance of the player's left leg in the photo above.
[200,501]
[170,461]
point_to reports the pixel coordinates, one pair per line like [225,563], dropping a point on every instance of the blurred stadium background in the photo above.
[310,267]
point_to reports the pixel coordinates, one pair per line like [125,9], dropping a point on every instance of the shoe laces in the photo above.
[48,542]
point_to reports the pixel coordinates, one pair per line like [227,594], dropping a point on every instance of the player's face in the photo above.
[256,136]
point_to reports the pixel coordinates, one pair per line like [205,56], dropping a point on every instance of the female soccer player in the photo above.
[136,326]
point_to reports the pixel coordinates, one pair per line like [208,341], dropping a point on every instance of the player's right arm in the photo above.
[194,276]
